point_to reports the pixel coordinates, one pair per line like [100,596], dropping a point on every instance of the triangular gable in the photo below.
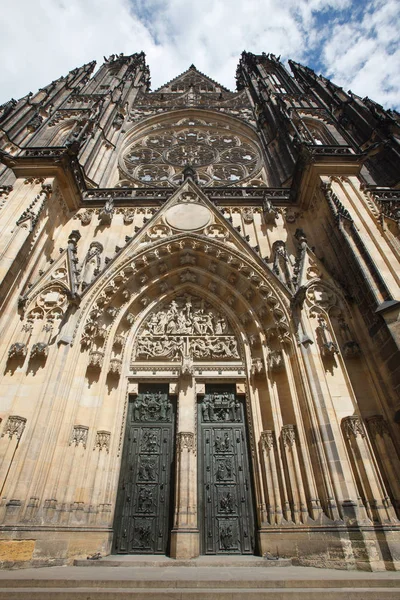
[60,274]
[188,211]
[191,77]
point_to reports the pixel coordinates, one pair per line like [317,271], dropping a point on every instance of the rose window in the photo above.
[219,155]
[196,155]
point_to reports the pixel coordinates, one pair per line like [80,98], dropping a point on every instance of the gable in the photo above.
[192,78]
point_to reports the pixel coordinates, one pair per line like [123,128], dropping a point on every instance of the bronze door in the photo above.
[225,482]
[144,501]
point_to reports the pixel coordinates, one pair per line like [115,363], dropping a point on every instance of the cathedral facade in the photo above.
[199,293]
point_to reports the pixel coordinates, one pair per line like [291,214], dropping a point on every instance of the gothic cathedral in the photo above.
[200,318]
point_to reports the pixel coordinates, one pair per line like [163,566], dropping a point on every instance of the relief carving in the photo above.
[151,407]
[186,327]
[227,503]
[221,407]
[223,444]
[225,470]
[228,537]
[146,499]
[147,469]
[150,442]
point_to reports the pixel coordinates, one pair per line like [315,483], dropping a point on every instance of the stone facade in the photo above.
[192,237]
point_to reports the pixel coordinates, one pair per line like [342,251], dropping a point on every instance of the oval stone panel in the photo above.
[187,217]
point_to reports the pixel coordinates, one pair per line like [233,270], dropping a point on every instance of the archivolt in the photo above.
[254,300]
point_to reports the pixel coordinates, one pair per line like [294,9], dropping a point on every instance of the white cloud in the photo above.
[364,54]
[43,40]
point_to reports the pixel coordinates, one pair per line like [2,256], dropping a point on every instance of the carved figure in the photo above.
[226,537]
[226,503]
[224,470]
[186,327]
[143,534]
[152,407]
[107,212]
[147,470]
[150,442]
[145,500]
[91,265]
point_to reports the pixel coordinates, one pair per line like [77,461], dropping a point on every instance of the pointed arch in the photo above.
[256,303]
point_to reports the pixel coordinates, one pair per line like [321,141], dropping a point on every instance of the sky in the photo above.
[355,43]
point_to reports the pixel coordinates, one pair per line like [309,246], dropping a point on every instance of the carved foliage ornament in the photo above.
[288,435]
[14,426]
[377,425]
[268,439]
[102,440]
[185,441]
[187,326]
[79,435]
[353,426]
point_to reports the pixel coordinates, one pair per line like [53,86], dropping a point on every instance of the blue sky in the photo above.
[353,42]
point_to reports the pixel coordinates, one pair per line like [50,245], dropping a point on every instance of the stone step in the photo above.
[227,593]
[193,583]
[164,561]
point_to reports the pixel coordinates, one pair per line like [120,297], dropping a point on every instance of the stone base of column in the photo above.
[356,547]
[185,543]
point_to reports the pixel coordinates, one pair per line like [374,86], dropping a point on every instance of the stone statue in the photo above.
[91,265]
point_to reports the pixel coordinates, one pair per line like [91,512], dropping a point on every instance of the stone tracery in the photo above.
[220,155]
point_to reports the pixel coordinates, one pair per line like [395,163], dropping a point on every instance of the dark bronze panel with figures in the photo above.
[225,483]
[142,521]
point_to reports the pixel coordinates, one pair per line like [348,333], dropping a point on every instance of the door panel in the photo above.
[225,485]
[142,522]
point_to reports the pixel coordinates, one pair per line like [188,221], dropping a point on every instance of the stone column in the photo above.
[375,497]
[387,453]
[185,533]
[12,433]
[300,511]
[274,506]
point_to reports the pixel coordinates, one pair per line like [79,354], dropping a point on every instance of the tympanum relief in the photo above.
[186,326]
